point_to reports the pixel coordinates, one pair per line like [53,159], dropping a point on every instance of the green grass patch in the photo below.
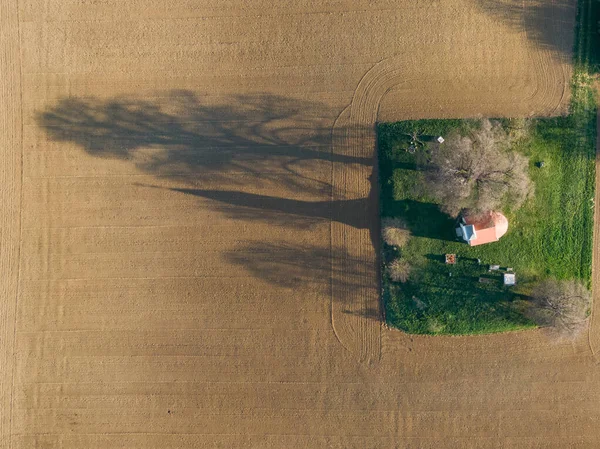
[550,236]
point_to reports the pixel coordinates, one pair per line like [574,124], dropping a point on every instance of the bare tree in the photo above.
[562,306]
[479,171]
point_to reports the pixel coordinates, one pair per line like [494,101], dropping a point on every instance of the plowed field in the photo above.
[189,226]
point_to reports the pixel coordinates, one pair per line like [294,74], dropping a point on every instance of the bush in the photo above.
[399,270]
[394,232]
[517,128]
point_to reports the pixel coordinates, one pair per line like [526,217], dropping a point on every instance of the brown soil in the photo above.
[191,262]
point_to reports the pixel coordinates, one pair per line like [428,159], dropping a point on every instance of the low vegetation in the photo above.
[399,270]
[395,232]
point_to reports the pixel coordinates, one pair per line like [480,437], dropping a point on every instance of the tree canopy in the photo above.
[479,171]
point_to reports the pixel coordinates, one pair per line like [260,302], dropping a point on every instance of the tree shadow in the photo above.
[548,24]
[309,267]
[242,140]
[292,265]
[182,134]
[283,211]
[436,257]
[424,219]
[238,143]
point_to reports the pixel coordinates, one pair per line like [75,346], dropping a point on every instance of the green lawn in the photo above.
[550,236]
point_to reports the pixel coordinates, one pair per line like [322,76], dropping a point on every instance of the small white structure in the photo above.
[440,139]
[467,232]
[510,279]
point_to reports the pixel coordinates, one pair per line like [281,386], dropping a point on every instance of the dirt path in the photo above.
[10,205]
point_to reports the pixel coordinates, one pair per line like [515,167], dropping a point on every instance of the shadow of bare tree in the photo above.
[263,136]
[236,143]
[294,265]
[284,211]
[306,266]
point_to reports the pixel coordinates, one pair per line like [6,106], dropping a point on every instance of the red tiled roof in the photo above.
[484,236]
[489,227]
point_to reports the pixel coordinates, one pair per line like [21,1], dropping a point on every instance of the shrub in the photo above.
[395,232]
[399,270]
[518,128]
